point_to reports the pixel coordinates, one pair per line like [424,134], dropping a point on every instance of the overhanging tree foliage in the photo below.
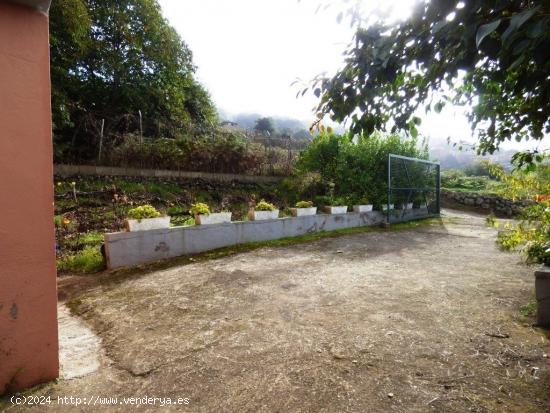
[493,55]
[112,60]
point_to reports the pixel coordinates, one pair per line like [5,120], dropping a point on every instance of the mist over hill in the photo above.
[462,154]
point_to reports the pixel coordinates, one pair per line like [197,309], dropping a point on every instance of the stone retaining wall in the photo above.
[91,170]
[489,203]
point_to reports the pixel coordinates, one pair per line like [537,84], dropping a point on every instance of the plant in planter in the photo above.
[333,205]
[146,217]
[303,208]
[419,202]
[385,204]
[403,202]
[364,205]
[263,210]
[201,212]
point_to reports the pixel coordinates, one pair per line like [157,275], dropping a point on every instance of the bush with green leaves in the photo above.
[532,233]
[219,152]
[355,166]
[143,212]
[265,206]
[304,204]
[327,200]
[457,180]
[199,208]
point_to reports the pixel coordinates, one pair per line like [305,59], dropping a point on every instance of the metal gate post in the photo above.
[438,188]
[389,191]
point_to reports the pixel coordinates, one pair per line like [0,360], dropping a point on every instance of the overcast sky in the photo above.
[248,52]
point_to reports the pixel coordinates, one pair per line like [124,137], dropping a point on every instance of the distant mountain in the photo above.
[462,155]
[297,128]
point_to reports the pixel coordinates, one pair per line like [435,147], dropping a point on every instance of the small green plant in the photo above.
[364,201]
[57,219]
[87,260]
[176,210]
[143,212]
[264,206]
[529,309]
[199,208]
[182,221]
[327,200]
[491,220]
[304,204]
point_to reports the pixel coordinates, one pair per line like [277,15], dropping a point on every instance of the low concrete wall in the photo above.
[489,203]
[127,249]
[91,170]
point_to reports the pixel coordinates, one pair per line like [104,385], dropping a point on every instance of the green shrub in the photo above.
[538,252]
[199,208]
[143,212]
[357,166]
[457,180]
[304,204]
[303,185]
[88,260]
[88,239]
[532,233]
[264,206]
[176,210]
[327,200]
[219,151]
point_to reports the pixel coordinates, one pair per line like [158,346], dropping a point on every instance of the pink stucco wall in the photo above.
[28,299]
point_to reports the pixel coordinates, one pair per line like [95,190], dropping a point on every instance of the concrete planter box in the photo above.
[542,293]
[362,208]
[404,206]
[215,218]
[302,212]
[147,224]
[261,215]
[385,207]
[336,209]
[421,206]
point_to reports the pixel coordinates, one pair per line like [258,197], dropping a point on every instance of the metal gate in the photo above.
[413,188]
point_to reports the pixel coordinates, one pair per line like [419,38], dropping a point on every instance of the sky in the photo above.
[249,52]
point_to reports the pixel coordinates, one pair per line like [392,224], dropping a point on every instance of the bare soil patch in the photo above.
[409,321]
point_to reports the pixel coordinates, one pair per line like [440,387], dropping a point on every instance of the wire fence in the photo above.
[210,150]
[413,187]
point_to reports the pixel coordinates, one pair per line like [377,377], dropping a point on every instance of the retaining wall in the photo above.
[126,249]
[490,203]
[91,170]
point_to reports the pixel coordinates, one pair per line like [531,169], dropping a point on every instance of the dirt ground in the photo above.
[418,320]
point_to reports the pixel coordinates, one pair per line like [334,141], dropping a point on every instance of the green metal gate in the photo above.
[413,188]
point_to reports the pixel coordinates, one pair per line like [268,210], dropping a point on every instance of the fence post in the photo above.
[100,141]
[389,190]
